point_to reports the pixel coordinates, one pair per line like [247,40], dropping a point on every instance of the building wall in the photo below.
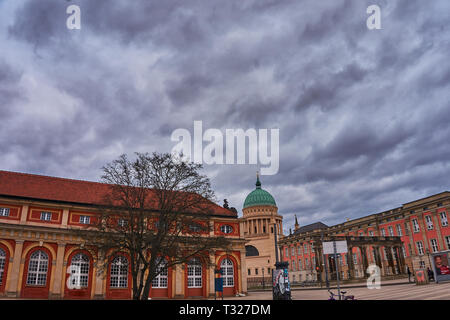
[23,234]
[396,222]
[259,224]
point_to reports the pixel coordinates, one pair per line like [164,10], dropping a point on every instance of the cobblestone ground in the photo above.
[401,291]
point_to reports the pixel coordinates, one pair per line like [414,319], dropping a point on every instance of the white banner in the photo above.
[328,247]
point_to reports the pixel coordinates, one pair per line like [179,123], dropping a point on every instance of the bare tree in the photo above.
[158,213]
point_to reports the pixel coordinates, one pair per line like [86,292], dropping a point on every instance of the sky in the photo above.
[363,115]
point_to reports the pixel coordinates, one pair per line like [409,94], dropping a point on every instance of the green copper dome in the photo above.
[259,197]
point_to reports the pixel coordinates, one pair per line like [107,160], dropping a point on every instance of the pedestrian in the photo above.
[409,273]
[430,274]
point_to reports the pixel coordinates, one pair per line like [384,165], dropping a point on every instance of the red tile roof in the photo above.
[31,186]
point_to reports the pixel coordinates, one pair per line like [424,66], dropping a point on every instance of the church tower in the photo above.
[259,222]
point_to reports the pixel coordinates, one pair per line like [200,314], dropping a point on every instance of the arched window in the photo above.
[227,272]
[37,269]
[2,264]
[119,272]
[226,228]
[251,251]
[79,270]
[194,271]
[160,281]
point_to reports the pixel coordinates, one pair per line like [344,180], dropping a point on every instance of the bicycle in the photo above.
[343,296]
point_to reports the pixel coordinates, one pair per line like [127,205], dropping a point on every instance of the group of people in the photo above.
[441,269]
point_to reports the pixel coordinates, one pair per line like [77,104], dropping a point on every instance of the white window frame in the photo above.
[85,219]
[4,212]
[194,273]
[300,264]
[399,230]
[2,263]
[371,233]
[292,251]
[305,248]
[37,269]
[447,240]
[429,221]
[420,248]
[391,231]
[226,228]
[227,267]
[46,216]
[80,274]
[444,220]
[122,222]
[383,232]
[434,245]
[299,250]
[416,227]
[118,265]
[161,281]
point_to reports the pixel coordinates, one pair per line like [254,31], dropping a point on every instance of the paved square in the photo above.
[404,291]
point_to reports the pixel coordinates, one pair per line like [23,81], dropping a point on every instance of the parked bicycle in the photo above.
[343,296]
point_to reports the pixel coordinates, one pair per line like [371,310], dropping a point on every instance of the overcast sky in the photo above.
[363,115]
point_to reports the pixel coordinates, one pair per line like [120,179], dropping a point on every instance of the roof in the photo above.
[259,197]
[311,227]
[39,187]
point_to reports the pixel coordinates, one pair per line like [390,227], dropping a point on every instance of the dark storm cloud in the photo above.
[363,115]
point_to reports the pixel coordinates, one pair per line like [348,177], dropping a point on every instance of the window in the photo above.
[293,265]
[434,245]
[119,272]
[37,269]
[79,271]
[305,248]
[422,264]
[194,273]
[122,222]
[383,232]
[444,220]
[399,230]
[292,251]
[2,264]
[420,247]
[429,222]
[195,227]
[160,281]
[227,272]
[404,251]
[306,263]
[299,250]
[256,271]
[4,212]
[447,240]
[371,233]
[46,216]
[415,225]
[300,264]
[286,250]
[85,219]
[391,231]
[226,228]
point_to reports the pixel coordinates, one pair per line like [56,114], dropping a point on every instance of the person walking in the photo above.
[409,273]
[430,274]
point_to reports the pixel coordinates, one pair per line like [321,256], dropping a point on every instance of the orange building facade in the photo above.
[421,225]
[38,245]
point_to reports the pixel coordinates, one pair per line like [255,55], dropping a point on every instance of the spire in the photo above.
[296,225]
[258,183]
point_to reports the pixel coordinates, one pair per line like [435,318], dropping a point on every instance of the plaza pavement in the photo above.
[392,290]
